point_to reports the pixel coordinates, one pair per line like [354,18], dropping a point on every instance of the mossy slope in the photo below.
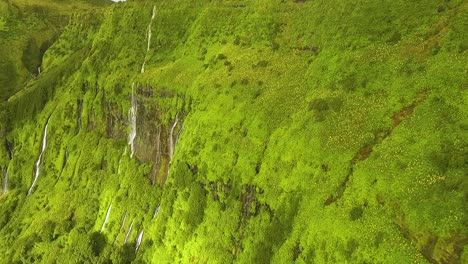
[310,131]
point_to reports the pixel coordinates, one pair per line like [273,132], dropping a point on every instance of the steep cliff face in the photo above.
[238,131]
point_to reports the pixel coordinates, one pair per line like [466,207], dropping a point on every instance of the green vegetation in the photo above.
[304,131]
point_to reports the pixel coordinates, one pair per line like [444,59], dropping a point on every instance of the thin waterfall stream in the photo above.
[39,160]
[138,241]
[148,34]
[156,211]
[107,218]
[132,115]
[121,227]
[171,138]
[129,232]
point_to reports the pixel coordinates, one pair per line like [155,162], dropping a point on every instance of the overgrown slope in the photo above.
[264,132]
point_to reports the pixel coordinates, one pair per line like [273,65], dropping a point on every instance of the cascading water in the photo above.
[5,181]
[138,240]
[107,218]
[120,160]
[39,160]
[132,115]
[129,232]
[148,33]
[171,138]
[173,141]
[149,28]
[121,227]
[156,211]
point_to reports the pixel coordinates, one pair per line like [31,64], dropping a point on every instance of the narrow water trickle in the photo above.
[129,232]
[121,227]
[138,241]
[156,211]
[132,115]
[178,134]
[120,160]
[39,160]
[171,138]
[107,218]
[173,141]
[148,34]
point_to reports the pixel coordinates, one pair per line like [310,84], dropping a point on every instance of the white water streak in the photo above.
[39,160]
[107,218]
[138,240]
[171,138]
[121,227]
[132,115]
[148,34]
[129,232]
[120,160]
[178,134]
[156,211]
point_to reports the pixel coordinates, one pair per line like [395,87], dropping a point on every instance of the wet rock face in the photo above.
[114,120]
[434,249]
[155,139]
[250,206]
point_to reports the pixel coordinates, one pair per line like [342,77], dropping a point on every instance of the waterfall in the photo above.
[123,221]
[129,232]
[107,218]
[149,29]
[173,141]
[5,181]
[148,33]
[171,138]
[132,113]
[156,211]
[121,227]
[178,134]
[120,160]
[138,240]
[39,160]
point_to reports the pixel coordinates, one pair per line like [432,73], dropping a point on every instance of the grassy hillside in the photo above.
[266,132]
[27,29]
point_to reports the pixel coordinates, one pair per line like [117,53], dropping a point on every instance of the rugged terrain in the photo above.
[228,131]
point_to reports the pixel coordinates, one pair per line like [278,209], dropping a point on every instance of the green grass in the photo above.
[313,131]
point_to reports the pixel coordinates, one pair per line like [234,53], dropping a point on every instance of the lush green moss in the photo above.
[327,132]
